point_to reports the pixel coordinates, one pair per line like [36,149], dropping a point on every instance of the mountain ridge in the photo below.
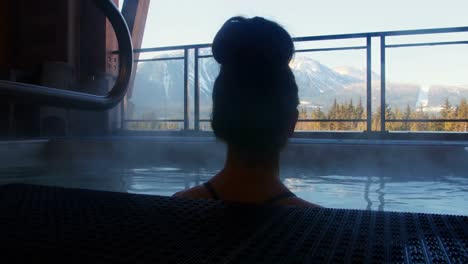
[159,87]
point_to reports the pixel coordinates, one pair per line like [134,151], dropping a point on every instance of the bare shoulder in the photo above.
[296,201]
[197,192]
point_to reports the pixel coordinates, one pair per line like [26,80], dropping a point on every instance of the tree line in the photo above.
[350,110]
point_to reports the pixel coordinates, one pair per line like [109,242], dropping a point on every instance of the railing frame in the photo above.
[368,37]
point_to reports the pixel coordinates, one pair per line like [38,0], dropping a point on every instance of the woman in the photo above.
[255,99]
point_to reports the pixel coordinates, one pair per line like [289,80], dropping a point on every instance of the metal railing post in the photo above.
[382,84]
[197,91]
[186,92]
[369,82]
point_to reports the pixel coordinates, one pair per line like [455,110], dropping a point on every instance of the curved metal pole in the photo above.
[63,98]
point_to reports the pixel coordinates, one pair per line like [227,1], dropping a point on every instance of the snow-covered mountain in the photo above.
[315,79]
[358,73]
[160,84]
[158,87]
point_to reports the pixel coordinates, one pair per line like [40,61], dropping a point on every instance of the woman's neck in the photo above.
[249,176]
[252,166]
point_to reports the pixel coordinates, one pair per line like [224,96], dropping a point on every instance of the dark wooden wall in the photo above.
[39,33]
[33,32]
[4,38]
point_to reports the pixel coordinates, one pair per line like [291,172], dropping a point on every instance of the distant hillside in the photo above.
[159,88]
[438,93]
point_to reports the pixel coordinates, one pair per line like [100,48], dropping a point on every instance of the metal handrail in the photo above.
[70,99]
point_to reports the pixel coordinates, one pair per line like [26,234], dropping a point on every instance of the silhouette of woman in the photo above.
[255,99]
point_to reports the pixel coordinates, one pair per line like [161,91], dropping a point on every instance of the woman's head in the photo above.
[255,95]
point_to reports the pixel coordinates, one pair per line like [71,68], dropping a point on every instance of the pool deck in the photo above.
[296,140]
[50,224]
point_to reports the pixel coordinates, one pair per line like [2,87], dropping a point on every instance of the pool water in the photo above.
[446,194]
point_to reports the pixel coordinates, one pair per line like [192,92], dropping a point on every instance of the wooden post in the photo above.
[135,13]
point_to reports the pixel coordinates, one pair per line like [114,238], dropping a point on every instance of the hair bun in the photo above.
[256,40]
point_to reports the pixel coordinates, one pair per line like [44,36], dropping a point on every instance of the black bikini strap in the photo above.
[211,190]
[280,196]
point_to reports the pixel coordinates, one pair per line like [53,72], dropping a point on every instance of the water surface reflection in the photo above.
[446,194]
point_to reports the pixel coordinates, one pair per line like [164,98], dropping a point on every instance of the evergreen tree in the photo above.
[462,113]
[435,126]
[376,119]
[302,115]
[420,114]
[321,115]
[396,126]
[350,114]
[360,114]
[406,115]
[446,109]
[448,112]
[332,114]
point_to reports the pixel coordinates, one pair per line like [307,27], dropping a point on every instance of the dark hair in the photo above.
[255,95]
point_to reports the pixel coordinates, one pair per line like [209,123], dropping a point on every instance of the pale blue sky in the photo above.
[172,22]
